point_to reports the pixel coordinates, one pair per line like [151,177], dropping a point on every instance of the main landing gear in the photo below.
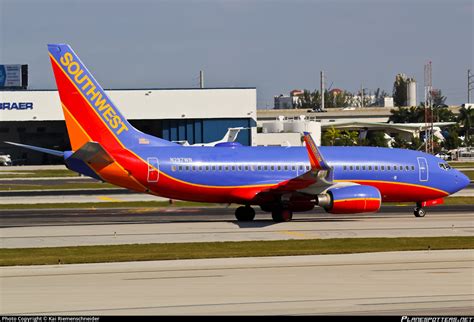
[282,215]
[245,213]
[419,212]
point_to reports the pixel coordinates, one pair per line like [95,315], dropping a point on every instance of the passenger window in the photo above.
[180,168]
[233,168]
[388,168]
[293,168]
[357,168]
[344,168]
[239,168]
[220,168]
[213,168]
[194,168]
[246,168]
[173,168]
[286,167]
[187,168]
[272,168]
[351,168]
[200,168]
[301,168]
[370,168]
[207,168]
[382,167]
[413,168]
[363,167]
[226,168]
[376,168]
[279,168]
[307,168]
[395,168]
[259,168]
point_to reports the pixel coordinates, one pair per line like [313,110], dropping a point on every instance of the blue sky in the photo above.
[275,46]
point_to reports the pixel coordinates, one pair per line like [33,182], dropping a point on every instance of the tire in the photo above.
[245,213]
[419,212]
[282,215]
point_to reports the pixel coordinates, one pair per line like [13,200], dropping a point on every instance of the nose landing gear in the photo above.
[419,212]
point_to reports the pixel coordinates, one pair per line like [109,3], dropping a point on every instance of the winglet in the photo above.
[315,156]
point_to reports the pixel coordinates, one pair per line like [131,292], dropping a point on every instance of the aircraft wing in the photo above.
[316,180]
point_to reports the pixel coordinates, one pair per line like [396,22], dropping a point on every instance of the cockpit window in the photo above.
[444,166]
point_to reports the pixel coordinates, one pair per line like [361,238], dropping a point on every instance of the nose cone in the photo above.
[462,181]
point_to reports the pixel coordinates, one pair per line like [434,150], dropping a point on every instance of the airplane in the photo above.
[228,140]
[279,180]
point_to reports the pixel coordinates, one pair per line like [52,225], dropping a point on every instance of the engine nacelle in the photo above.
[351,200]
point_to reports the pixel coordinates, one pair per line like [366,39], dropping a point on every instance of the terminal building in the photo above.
[197,115]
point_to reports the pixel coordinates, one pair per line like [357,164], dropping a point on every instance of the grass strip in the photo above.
[116,204]
[456,164]
[470,174]
[160,204]
[37,173]
[58,186]
[148,252]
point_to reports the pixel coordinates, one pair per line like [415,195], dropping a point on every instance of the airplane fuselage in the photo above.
[213,174]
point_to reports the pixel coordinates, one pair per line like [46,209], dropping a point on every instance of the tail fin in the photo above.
[89,113]
[315,157]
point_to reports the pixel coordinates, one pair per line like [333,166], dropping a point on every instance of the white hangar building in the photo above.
[197,115]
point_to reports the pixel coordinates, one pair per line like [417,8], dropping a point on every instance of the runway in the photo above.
[398,283]
[74,227]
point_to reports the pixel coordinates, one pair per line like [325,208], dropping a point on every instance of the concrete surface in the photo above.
[70,227]
[398,283]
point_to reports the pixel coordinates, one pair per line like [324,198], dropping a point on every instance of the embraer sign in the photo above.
[16,106]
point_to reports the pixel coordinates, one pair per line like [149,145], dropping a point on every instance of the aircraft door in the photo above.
[423,169]
[153,169]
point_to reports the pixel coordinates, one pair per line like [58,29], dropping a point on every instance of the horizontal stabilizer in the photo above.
[93,153]
[37,148]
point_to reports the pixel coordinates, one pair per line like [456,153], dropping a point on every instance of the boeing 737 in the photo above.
[280,180]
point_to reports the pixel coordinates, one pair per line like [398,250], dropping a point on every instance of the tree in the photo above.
[466,119]
[400,90]
[376,138]
[452,140]
[330,136]
[437,98]
[348,138]
[407,115]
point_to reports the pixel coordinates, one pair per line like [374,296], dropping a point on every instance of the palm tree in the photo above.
[466,119]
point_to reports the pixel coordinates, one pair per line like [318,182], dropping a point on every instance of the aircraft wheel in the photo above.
[419,212]
[282,215]
[245,213]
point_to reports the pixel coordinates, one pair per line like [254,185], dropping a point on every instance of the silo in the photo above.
[273,127]
[315,129]
[411,92]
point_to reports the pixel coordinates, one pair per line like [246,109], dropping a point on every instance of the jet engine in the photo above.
[350,200]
